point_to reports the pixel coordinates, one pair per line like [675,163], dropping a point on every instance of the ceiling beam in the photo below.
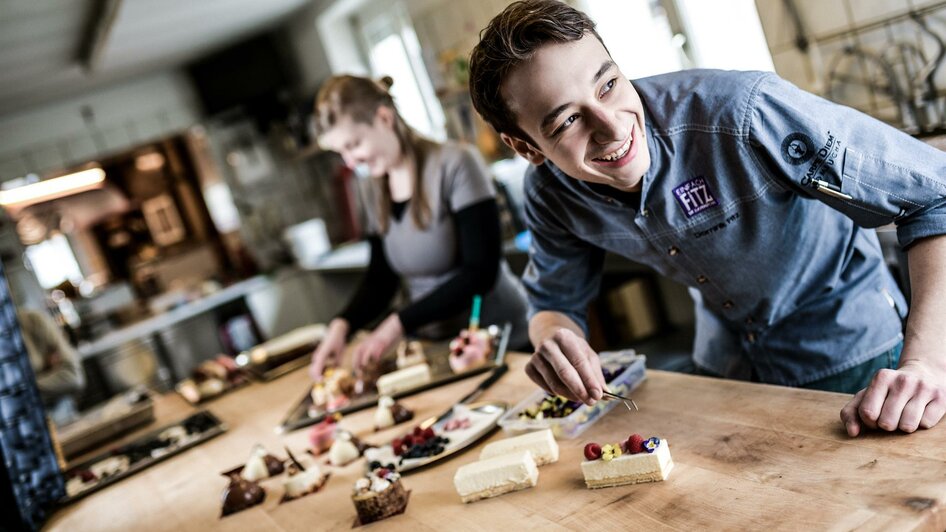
[97,31]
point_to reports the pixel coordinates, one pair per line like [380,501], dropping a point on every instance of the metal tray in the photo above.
[217,428]
[99,425]
[230,387]
[489,412]
[441,374]
[283,354]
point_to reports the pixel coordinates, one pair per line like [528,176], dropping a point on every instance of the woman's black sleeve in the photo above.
[375,292]
[480,251]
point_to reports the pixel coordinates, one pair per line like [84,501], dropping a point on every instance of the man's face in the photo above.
[581,112]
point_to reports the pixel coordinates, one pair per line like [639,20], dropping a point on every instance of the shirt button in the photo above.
[728,304]
[673,251]
[751,338]
[702,279]
[749,321]
[645,213]
[610,200]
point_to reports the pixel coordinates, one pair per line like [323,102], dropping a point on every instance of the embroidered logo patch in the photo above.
[797,148]
[695,196]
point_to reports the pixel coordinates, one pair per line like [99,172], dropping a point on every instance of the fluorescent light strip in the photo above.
[53,188]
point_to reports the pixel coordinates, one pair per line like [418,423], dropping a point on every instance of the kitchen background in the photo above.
[215,223]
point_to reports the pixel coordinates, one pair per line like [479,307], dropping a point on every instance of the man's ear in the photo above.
[523,148]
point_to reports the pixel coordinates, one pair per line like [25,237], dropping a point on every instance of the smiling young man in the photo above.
[753,193]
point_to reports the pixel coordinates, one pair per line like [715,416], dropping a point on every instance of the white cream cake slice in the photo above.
[495,476]
[540,443]
[403,379]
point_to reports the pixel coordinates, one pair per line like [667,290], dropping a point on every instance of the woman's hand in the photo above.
[377,343]
[330,349]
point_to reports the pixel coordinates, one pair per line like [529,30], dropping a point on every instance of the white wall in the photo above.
[309,49]
[55,135]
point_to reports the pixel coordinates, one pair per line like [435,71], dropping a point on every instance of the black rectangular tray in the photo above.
[218,428]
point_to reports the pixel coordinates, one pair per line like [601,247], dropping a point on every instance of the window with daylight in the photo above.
[393,50]
[53,262]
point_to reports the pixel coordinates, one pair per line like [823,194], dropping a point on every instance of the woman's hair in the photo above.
[512,37]
[359,98]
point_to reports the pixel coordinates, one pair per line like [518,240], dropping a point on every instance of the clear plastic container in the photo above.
[572,425]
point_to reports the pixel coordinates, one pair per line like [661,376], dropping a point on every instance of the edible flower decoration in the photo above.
[651,444]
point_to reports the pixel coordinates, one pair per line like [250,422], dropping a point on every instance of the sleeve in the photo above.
[480,250]
[66,375]
[868,170]
[564,272]
[375,292]
[466,179]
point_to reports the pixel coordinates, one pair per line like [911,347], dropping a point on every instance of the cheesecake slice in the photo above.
[652,464]
[495,476]
[540,443]
[403,379]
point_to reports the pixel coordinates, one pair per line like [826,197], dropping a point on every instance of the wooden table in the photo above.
[747,456]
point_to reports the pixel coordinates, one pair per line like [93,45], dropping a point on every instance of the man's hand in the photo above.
[564,364]
[330,349]
[379,341]
[908,398]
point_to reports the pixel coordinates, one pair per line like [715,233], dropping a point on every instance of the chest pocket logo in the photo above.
[695,196]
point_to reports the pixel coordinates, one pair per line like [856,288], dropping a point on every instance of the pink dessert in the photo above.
[322,435]
[470,349]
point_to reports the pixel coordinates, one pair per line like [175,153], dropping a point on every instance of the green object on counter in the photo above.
[475,315]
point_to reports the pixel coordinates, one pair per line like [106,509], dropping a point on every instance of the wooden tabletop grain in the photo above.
[748,457]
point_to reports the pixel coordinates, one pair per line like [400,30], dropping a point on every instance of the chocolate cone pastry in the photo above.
[240,495]
[273,465]
[401,413]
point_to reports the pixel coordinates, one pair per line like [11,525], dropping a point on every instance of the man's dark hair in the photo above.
[512,37]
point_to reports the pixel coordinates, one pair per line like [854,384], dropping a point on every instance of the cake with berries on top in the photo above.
[379,495]
[632,461]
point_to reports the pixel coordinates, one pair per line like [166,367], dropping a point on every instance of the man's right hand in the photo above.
[564,364]
[330,349]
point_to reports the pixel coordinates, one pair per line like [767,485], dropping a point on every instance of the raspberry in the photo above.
[592,451]
[418,431]
[396,444]
[428,433]
[635,444]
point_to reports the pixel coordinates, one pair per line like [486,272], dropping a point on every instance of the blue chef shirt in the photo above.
[761,198]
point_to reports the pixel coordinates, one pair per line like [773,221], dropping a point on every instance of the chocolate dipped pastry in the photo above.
[302,480]
[379,495]
[410,353]
[261,465]
[345,449]
[390,413]
[240,495]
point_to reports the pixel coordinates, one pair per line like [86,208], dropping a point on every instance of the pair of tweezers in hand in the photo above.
[609,395]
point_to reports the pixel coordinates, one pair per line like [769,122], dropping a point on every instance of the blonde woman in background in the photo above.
[434,225]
